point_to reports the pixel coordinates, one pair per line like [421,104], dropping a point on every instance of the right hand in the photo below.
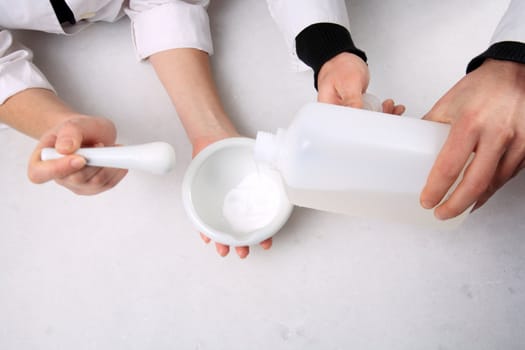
[344,79]
[71,171]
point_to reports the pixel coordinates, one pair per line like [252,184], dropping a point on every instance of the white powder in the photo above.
[252,204]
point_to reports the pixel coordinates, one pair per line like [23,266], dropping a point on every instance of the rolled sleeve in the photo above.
[508,41]
[292,16]
[17,71]
[159,26]
[512,25]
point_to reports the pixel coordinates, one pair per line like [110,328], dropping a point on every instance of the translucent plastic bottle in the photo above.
[356,162]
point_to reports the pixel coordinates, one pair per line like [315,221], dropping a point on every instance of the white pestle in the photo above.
[154,157]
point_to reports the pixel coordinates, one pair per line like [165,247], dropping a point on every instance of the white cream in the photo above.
[252,204]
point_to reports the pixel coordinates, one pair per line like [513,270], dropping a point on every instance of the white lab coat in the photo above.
[159,25]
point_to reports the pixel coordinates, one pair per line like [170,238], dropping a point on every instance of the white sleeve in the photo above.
[17,71]
[159,25]
[512,25]
[292,16]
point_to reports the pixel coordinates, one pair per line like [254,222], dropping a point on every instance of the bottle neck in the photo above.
[268,147]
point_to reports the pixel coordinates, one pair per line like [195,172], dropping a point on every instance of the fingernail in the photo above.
[65,145]
[78,162]
[427,204]
[205,239]
[440,216]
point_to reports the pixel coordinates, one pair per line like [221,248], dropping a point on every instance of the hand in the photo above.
[199,108]
[223,249]
[344,79]
[486,110]
[71,171]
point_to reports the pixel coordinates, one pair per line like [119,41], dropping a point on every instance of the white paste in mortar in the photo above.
[252,204]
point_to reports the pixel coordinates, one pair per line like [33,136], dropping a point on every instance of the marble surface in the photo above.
[126,270]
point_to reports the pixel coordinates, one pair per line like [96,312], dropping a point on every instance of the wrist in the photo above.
[205,125]
[514,71]
[201,142]
[511,51]
[320,42]
[213,135]
[34,111]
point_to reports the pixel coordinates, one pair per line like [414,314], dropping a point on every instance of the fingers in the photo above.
[92,180]
[390,107]
[485,110]
[90,131]
[68,138]
[333,97]
[71,171]
[206,239]
[242,252]
[399,110]
[355,99]
[266,244]
[43,171]
[490,168]
[222,249]
[485,197]
[346,95]
[447,167]
[475,182]
[509,166]
[74,133]
[342,80]
[511,162]
[352,99]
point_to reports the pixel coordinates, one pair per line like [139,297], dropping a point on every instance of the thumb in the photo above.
[343,97]
[84,131]
[43,171]
[352,98]
[327,94]
[68,138]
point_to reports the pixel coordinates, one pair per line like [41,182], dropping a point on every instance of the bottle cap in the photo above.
[372,103]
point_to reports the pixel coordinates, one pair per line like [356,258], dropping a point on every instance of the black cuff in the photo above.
[63,12]
[504,50]
[318,43]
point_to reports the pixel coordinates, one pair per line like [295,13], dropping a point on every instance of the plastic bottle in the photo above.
[356,162]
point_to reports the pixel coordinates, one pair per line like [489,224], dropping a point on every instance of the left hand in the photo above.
[223,249]
[344,79]
[71,171]
[486,110]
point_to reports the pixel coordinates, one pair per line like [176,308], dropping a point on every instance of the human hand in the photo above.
[344,79]
[223,249]
[71,171]
[486,110]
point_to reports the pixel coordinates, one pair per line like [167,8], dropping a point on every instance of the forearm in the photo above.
[187,77]
[34,111]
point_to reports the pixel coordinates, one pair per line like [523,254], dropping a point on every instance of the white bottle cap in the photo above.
[372,103]
[266,148]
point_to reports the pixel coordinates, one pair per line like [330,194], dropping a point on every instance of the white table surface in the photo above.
[126,270]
